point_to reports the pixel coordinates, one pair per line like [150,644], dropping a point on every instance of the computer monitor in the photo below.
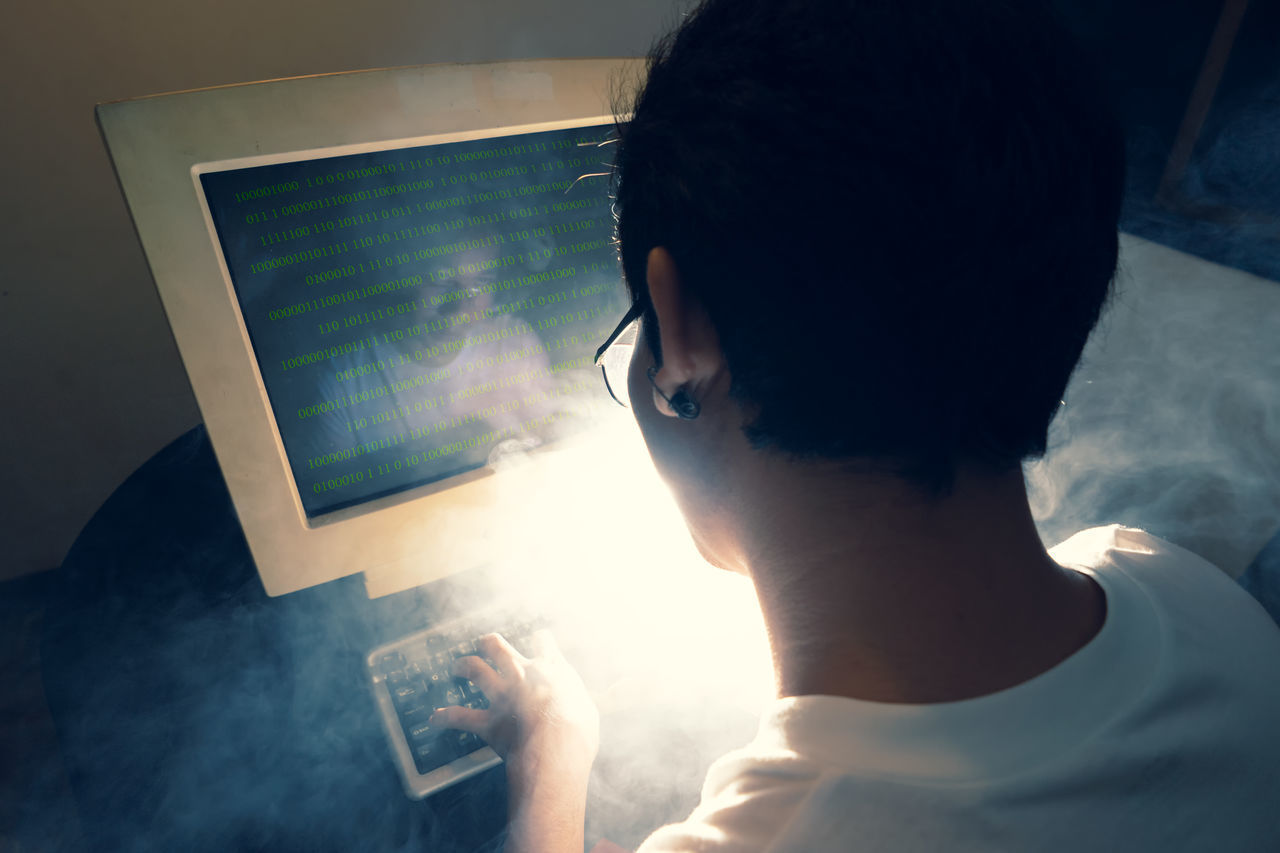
[382,284]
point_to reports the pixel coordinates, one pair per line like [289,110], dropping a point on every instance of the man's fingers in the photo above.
[476,670]
[502,653]
[471,720]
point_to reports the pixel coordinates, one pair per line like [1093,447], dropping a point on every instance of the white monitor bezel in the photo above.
[160,145]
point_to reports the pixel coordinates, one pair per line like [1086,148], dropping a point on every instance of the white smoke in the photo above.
[1172,420]
[1170,424]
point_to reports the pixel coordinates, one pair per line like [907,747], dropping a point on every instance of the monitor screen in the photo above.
[415,310]
[387,287]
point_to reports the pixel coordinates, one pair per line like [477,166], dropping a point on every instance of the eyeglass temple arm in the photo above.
[637,308]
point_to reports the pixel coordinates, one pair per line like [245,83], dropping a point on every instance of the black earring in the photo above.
[685,407]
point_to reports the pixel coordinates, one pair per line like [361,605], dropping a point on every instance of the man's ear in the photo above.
[691,353]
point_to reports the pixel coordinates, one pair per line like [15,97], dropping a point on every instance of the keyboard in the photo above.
[411,678]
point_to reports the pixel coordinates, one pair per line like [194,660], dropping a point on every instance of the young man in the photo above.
[867,240]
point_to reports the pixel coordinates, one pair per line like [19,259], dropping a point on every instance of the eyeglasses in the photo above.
[614,355]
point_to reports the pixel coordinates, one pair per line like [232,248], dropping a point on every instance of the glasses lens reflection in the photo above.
[616,362]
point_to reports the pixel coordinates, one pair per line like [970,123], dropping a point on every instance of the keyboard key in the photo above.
[437,693]
[416,714]
[406,694]
[472,696]
[433,753]
[420,732]
[462,742]
[412,702]
[390,663]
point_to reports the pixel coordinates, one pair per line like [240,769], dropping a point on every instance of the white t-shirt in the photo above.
[1161,734]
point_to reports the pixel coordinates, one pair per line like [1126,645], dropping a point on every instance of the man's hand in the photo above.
[543,723]
[537,702]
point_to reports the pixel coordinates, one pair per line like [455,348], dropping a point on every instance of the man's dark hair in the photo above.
[900,216]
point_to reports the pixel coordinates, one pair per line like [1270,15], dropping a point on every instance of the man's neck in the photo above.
[869,594]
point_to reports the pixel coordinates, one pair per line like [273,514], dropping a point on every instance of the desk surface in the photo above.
[196,713]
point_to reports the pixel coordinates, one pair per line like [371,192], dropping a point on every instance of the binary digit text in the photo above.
[411,310]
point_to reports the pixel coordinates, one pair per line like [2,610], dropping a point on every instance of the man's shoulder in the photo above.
[1095,545]
[1207,628]
[1152,562]
[750,798]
